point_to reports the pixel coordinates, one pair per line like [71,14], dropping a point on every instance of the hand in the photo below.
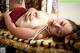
[6,16]
[6,13]
[31,12]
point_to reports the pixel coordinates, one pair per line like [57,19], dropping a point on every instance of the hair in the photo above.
[75,27]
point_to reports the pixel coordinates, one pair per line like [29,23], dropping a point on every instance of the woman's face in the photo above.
[59,27]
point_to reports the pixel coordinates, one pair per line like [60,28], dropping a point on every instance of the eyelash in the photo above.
[61,23]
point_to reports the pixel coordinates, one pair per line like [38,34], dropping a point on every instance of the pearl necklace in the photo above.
[40,31]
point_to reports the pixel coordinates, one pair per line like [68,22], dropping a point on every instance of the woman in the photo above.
[25,23]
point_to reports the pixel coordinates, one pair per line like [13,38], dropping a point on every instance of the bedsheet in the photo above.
[46,45]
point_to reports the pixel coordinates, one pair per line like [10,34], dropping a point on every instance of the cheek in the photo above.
[67,30]
[53,31]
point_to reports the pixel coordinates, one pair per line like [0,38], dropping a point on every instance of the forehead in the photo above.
[61,19]
[67,28]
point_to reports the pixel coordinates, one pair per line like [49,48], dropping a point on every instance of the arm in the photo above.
[17,3]
[24,33]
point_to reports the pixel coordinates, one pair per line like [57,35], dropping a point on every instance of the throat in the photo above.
[44,31]
[48,31]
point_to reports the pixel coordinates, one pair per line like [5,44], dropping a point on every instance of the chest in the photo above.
[37,21]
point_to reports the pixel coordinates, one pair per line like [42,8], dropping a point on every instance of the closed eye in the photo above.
[59,31]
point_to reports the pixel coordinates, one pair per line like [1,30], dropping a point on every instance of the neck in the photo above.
[42,33]
[47,29]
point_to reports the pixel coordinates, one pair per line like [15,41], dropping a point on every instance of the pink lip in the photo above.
[51,23]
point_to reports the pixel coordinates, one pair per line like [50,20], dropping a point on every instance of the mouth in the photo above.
[51,24]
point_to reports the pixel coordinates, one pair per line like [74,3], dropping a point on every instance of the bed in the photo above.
[46,45]
[71,43]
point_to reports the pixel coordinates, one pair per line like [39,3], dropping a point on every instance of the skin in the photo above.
[32,21]
[28,28]
[59,27]
[32,16]
[14,4]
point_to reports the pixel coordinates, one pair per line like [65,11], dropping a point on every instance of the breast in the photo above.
[29,23]
[38,21]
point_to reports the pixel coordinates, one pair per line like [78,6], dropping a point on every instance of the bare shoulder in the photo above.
[52,15]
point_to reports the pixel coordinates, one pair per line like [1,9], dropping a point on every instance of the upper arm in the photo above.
[18,31]
[21,32]
[24,33]
[17,3]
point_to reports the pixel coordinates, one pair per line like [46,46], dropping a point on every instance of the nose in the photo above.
[57,25]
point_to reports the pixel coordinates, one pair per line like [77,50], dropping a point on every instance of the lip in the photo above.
[51,23]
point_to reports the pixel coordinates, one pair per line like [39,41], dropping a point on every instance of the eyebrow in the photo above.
[59,30]
[62,23]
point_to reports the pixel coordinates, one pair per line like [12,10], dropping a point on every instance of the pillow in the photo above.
[73,40]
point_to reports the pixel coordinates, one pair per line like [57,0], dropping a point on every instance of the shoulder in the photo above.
[52,15]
